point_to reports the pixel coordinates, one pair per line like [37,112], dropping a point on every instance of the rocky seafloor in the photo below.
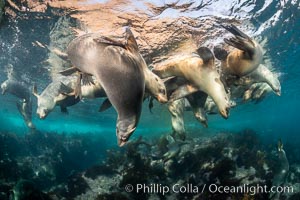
[58,166]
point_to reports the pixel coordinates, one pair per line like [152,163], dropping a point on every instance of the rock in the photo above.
[158,35]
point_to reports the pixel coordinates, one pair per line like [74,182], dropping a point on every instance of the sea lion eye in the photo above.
[218,81]
[162,91]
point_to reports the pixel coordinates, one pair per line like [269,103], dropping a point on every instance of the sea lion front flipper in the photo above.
[20,108]
[64,109]
[183,91]
[105,105]
[169,79]
[151,104]
[69,71]
[87,79]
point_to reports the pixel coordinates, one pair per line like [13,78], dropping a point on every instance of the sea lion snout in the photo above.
[42,113]
[123,137]
[162,98]
[125,129]
[225,112]
[278,92]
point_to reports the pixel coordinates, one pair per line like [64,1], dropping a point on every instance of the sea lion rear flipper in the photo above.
[151,104]
[241,40]
[205,54]
[19,107]
[105,105]
[241,43]
[131,43]
[220,54]
[78,87]
[182,91]
[69,71]
[64,109]
[87,79]
[235,31]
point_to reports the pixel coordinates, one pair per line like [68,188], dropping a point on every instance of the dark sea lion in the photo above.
[16,88]
[197,102]
[199,70]
[25,108]
[24,105]
[245,58]
[119,70]
[176,108]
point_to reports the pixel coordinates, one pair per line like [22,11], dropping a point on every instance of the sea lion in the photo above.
[61,93]
[280,176]
[25,108]
[119,70]
[16,88]
[176,108]
[261,75]
[24,105]
[200,71]
[245,58]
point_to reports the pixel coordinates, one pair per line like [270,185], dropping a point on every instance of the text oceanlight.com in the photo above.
[211,188]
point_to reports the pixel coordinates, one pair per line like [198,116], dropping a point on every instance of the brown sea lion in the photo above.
[119,70]
[245,58]
[199,70]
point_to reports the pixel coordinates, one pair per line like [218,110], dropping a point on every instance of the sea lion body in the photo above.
[201,73]
[16,88]
[120,73]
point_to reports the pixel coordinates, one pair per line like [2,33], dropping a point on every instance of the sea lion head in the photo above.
[271,78]
[275,85]
[4,87]
[125,128]
[157,88]
[217,92]
[45,106]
